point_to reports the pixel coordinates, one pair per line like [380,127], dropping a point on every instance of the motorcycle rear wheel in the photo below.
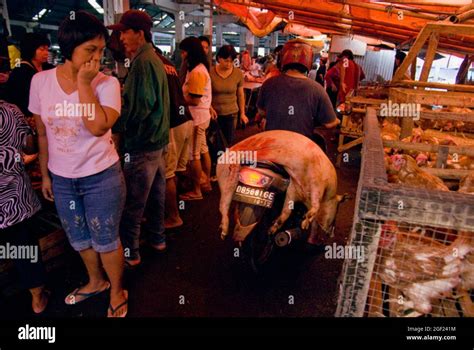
[258,246]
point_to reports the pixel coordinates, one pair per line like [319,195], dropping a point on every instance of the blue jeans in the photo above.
[228,124]
[145,175]
[90,208]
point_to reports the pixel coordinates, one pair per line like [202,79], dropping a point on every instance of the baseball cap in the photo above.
[133,19]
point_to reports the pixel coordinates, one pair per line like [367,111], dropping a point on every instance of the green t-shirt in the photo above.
[224,91]
[145,117]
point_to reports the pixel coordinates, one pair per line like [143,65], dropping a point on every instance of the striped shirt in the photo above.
[18,201]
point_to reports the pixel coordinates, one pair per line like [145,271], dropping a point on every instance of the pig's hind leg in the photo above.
[228,179]
[313,209]
[287,208]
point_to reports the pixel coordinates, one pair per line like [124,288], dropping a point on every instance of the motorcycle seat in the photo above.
[277,168]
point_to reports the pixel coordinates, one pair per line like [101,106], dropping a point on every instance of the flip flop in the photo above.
[180,223]
[71,298]
[114,310]
[48,295]
[129,266]
[162,249]
[186,197]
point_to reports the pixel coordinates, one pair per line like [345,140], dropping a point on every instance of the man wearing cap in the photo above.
[291,101]
[144,126]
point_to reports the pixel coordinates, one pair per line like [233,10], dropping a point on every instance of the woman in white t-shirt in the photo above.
[197,91]
[75,107]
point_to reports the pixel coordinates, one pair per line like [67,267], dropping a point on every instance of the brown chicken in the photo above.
[390,132]
[422,268]
[409,173]
[467,272]
[466,185]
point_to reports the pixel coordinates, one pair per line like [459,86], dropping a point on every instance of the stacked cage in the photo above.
[418,244]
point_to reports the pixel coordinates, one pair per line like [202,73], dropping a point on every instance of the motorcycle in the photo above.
[259,198]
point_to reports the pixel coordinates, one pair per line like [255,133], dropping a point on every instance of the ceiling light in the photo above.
[40,14]
[96,6]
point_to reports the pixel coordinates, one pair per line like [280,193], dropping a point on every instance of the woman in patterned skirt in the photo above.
[18,203]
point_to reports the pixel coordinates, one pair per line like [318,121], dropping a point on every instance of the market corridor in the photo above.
[199,276]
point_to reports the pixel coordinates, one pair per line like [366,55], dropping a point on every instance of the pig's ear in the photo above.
[344,197]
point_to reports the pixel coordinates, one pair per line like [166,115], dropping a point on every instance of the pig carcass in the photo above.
[313,180]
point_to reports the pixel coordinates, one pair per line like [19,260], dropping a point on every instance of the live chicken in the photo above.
[466,185]
[409,173]
[422,268]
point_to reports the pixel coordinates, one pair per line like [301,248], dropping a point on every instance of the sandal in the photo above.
[160,247]
[118,307]
[175,225]
[129,266]
[187,197]
[47,295]
[72,300]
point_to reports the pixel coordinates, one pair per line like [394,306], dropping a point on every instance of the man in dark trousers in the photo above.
[144,125]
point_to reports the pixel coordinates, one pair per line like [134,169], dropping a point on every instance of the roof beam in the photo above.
[167,5]
[33,25]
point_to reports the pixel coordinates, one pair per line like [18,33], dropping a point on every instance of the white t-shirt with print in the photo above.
[73,151]
[198,82]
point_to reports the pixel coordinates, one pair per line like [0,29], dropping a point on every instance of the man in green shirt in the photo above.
[144,126]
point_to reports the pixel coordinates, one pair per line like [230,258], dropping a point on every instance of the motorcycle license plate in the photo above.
[255,196]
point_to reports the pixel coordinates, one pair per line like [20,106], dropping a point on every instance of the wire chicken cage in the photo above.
[418,244]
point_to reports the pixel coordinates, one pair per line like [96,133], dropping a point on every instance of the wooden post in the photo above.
[407,125]
[448,87]
[429,57]
[413,70]
[441,159]
[412,54]
[463,70]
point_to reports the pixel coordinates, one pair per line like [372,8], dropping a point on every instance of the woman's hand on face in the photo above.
[47,189]
[88,71]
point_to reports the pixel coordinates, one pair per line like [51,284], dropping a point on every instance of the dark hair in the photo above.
[157,49]
[204,38]
[347,53]
[74,32]
[278,49]
[146,35]
[30,43]
[296,66]
[196,54]
[225,52]
[400,55]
